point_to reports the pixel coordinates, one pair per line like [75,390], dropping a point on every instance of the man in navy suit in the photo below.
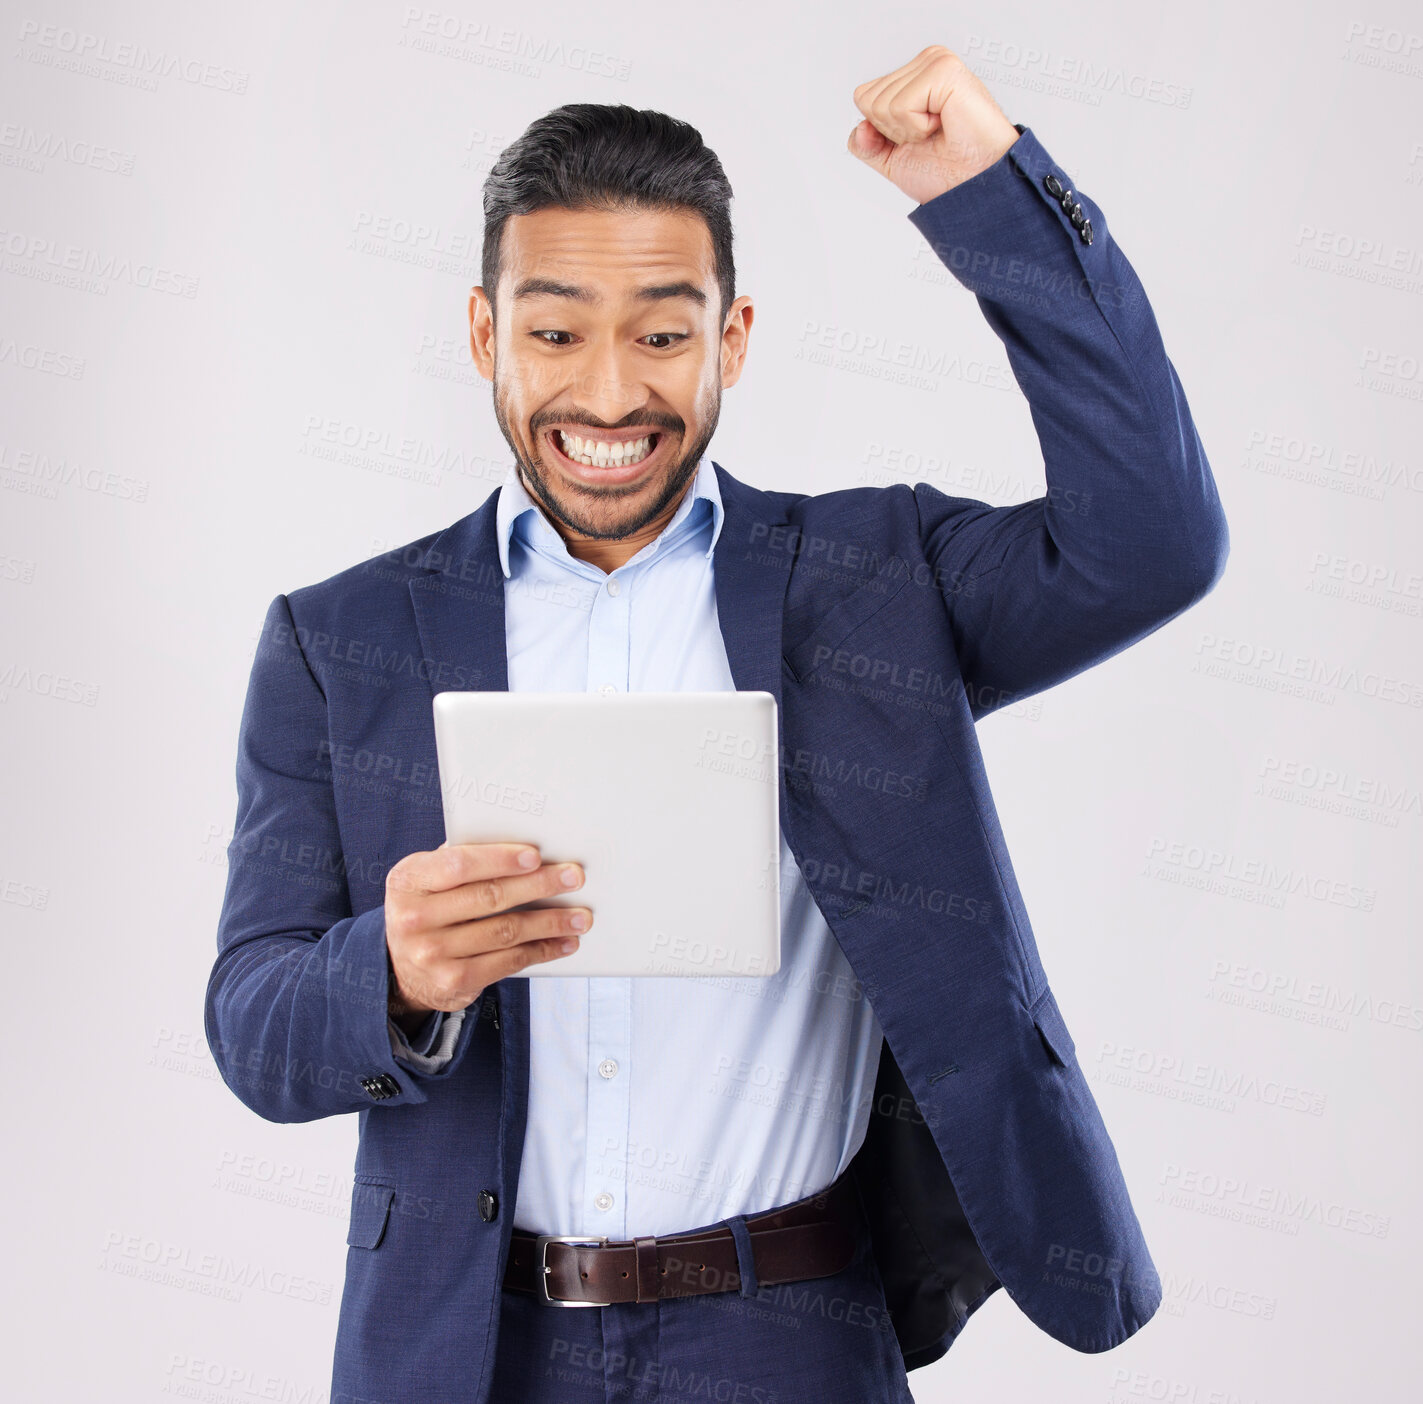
[824,1248]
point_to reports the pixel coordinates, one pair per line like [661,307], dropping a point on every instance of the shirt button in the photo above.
[613,587]
[603,1200]
[608,689]
[608,1067]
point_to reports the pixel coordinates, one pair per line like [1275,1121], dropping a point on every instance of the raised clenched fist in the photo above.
[930,125]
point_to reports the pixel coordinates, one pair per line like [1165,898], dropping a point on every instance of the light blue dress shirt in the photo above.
[656,1106]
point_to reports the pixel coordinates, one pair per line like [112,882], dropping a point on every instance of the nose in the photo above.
[607,384]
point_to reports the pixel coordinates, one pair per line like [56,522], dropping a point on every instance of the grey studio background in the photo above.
[237,245]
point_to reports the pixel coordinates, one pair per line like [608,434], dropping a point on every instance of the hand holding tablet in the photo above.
[451,928]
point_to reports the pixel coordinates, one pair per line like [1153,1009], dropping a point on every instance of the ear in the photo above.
[481,333]
[734,338]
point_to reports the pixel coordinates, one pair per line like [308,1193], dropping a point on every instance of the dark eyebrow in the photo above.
[662,292]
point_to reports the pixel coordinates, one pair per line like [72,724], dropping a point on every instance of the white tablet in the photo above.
[669,800]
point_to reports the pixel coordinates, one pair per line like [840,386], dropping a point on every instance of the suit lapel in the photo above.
[458,598]
[750,593]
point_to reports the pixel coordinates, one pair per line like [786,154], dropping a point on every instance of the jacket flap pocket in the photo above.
[806,655]
[370,1209]
[1048,1018]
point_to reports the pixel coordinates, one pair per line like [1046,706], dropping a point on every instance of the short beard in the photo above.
[566,513]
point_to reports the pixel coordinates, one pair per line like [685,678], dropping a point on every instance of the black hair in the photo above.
[587,155]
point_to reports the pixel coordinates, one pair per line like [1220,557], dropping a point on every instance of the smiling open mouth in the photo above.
[604,460]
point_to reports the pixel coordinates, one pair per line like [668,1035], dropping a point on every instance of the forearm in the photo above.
[296,1023]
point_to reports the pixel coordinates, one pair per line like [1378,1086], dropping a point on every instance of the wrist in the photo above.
[404,1011]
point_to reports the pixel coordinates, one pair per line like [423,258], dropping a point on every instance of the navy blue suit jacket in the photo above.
[886,621]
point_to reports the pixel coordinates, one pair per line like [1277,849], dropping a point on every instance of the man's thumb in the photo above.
[871,145]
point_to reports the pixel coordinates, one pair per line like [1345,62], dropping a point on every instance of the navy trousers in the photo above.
[825,1340]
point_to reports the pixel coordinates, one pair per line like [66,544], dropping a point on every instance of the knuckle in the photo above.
[492,894]
[403,921]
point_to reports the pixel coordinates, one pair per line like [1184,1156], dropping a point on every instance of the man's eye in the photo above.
[674,336]
[542,334]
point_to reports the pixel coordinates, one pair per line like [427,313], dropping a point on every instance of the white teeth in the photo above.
[599,453]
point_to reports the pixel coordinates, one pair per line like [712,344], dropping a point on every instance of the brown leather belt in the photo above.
[813,1237]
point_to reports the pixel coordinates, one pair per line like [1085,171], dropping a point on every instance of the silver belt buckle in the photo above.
[541,1243]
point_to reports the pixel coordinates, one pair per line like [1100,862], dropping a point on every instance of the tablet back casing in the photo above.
[669,800]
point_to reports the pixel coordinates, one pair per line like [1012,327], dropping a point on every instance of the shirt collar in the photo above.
[515,503]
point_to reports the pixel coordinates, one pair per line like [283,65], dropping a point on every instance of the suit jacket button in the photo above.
[1086,231]
[488,1205]
[1054,186]
[380,1087]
